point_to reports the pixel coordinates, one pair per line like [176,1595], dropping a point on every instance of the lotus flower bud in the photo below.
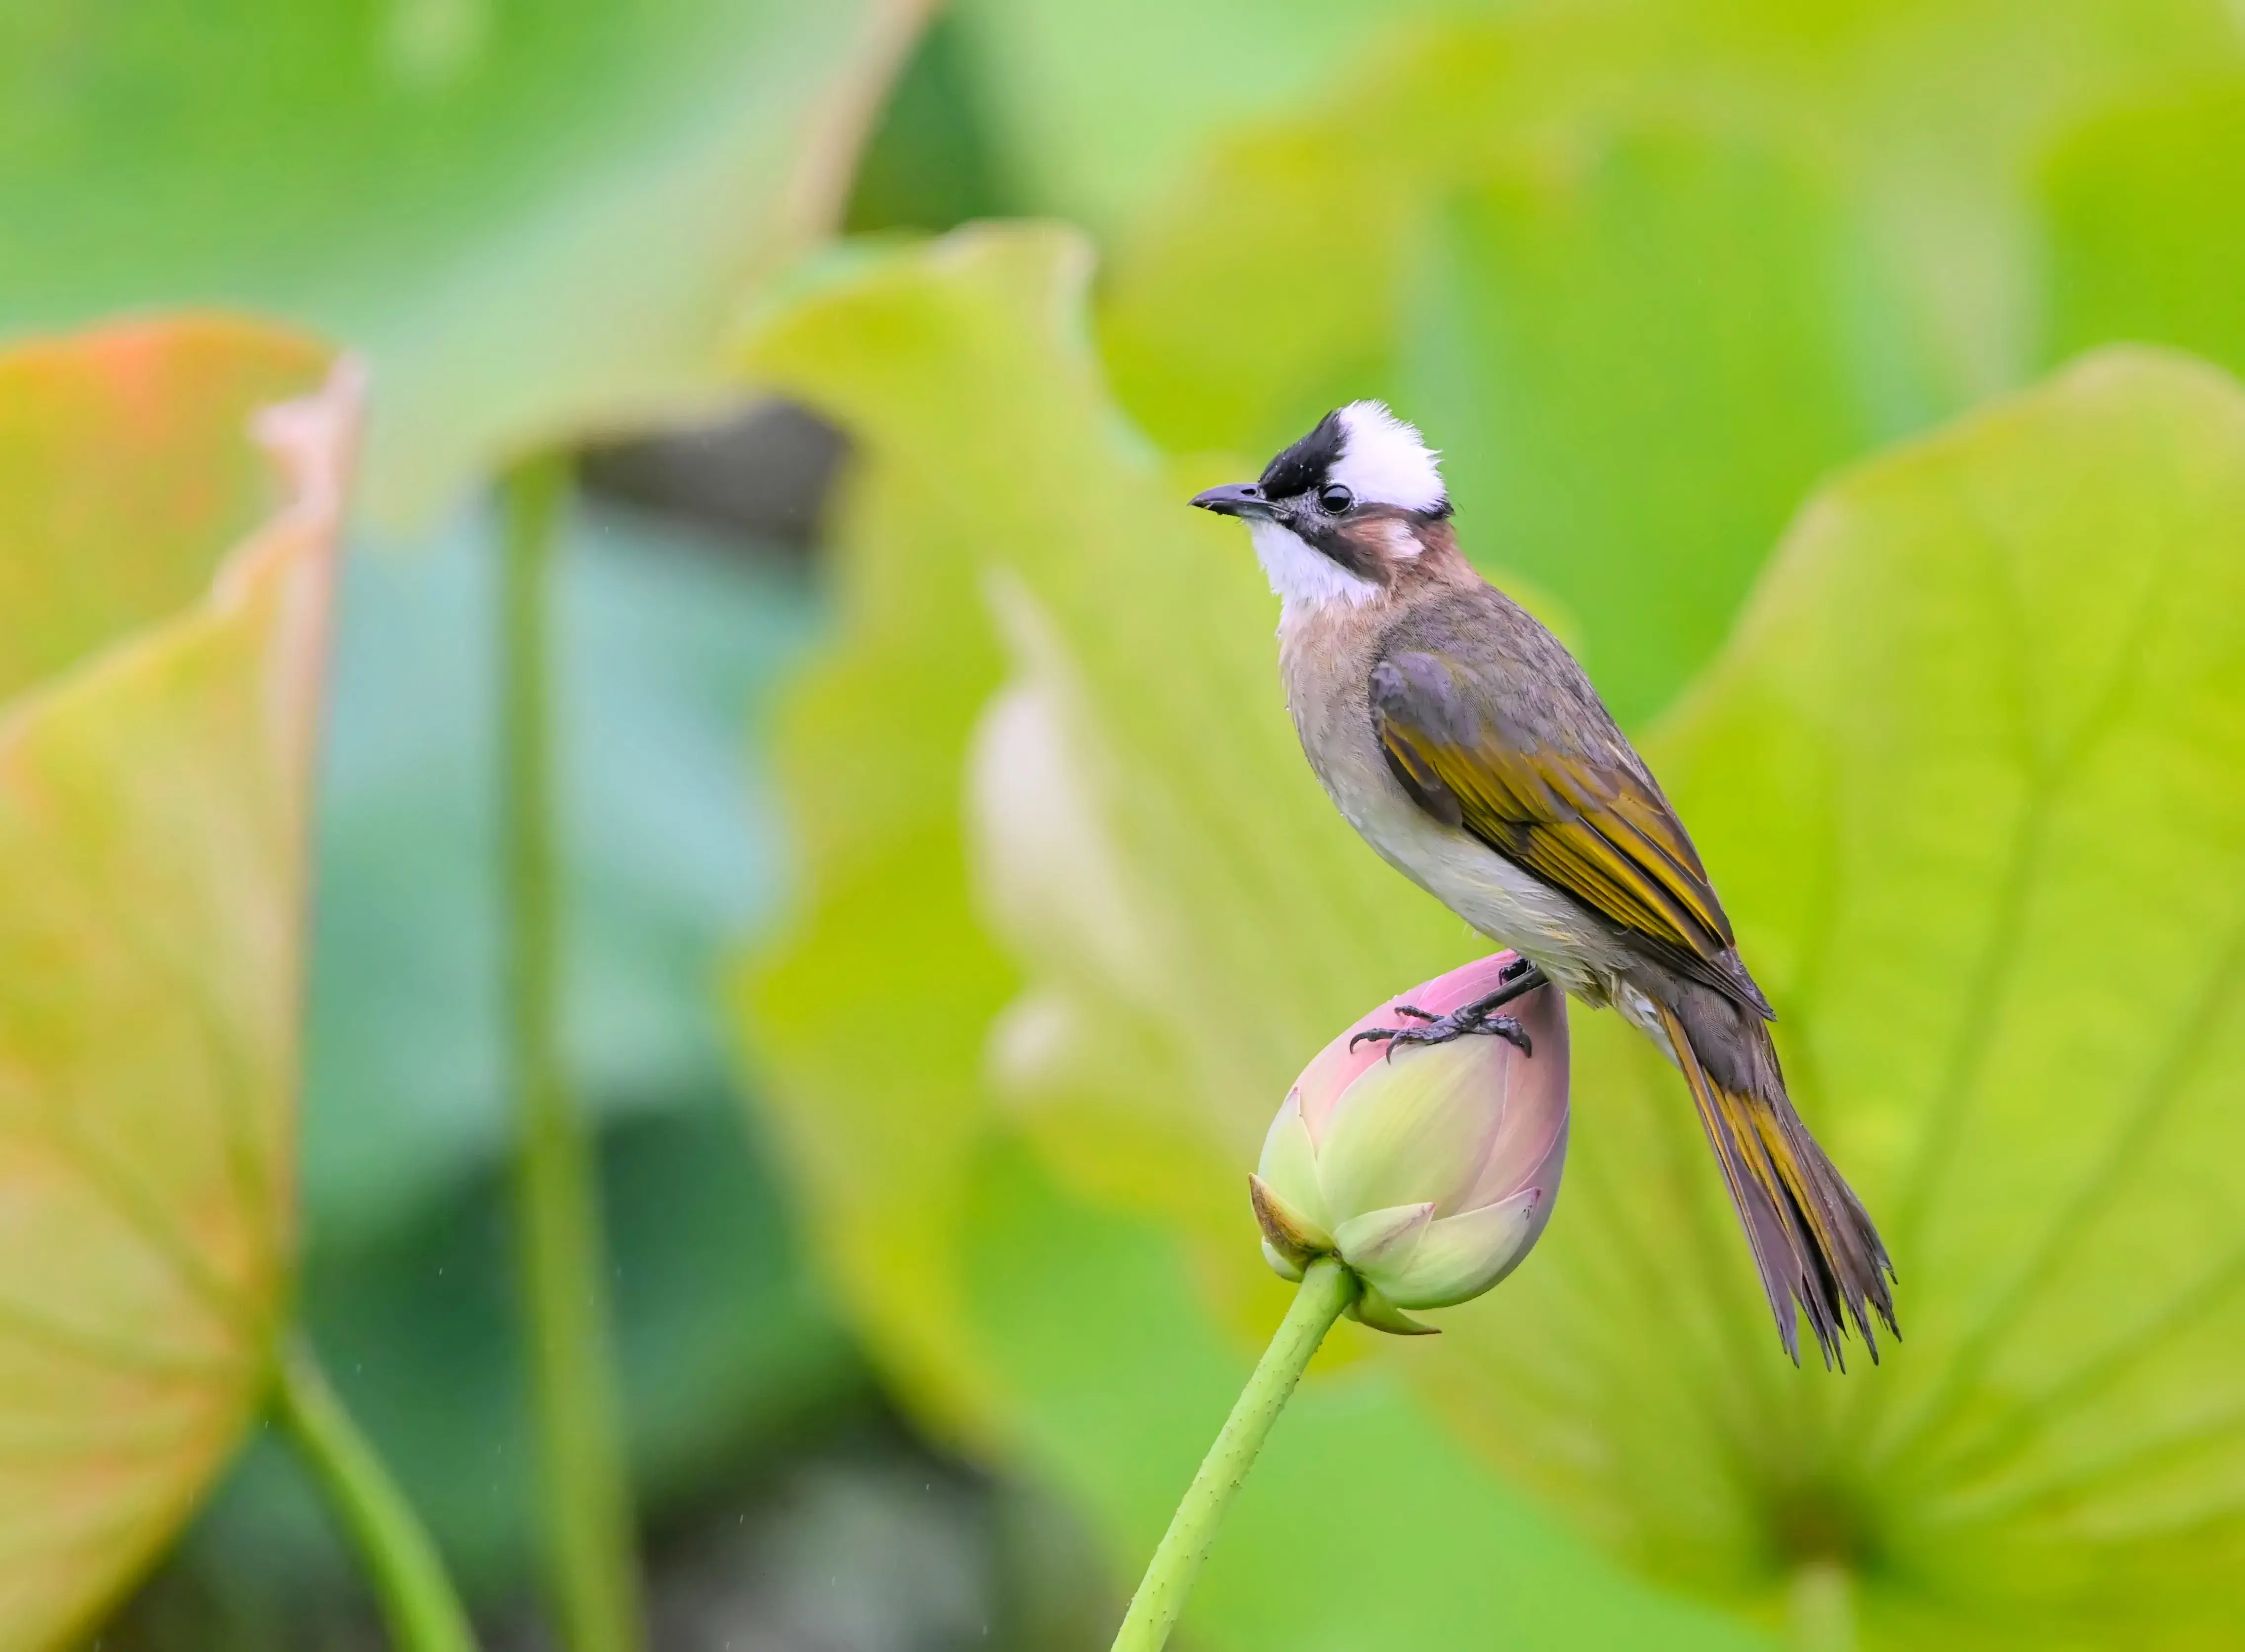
[1429,1173]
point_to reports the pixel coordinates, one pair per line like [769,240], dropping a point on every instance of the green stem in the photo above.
[1327,1288]
[591,1543]
[418,1601]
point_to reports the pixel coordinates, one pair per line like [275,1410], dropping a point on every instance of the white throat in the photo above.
[1305,578]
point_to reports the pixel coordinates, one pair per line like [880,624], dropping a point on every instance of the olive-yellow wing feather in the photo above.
[1573,805]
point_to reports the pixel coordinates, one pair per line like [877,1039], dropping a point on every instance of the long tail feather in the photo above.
[1812,1240]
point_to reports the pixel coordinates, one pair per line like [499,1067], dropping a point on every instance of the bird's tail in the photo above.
[1813,1241]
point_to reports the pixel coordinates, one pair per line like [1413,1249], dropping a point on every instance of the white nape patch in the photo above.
[1384,462]
[1305,578]
[1399,539]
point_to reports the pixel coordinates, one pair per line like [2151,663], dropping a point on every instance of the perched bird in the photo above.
[1467,746]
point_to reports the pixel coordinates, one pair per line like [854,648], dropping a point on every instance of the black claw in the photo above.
[1414,1010]
[1511,1031]
[1465,1023]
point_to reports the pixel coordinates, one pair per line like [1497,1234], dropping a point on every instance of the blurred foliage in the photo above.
[884,848]
[931,161]
[1646,267]
[671,641]
[467,191]
[164,641]
[1098,107]
[728,1356]
[2146,231]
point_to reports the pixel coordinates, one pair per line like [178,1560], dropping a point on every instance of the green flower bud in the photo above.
[1430,1170]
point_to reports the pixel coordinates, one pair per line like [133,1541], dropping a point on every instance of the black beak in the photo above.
[1234,499]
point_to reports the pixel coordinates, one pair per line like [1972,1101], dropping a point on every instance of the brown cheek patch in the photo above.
[1361,547]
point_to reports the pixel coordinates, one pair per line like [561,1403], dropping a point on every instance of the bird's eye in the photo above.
[1335,499]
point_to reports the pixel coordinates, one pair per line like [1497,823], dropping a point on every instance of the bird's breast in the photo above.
[1333,715]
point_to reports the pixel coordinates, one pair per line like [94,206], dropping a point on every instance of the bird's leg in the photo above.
[1519,976]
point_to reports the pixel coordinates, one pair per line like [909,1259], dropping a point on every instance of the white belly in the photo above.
[1510,906]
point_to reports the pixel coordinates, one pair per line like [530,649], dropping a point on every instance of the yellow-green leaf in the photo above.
[1100,103]
[2146,214]
[881,1121]
[161,648]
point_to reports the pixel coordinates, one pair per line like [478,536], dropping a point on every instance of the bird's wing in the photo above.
[1570,805]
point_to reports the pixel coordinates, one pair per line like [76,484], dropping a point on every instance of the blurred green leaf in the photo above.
[673,641]
[891,1065]
[2146,212]
[1099,105]
[1637,361]
[879,1125]
[670,644]
[533,217]
[729,1356]
[1646,270]
[932,162]
[155,754]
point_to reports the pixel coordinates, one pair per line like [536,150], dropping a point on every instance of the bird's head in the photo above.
[1344,514]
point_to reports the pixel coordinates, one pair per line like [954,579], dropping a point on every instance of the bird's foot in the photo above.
[1472,1020]
[1519,976]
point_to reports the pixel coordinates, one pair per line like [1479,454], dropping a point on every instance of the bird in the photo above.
[1467,746]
